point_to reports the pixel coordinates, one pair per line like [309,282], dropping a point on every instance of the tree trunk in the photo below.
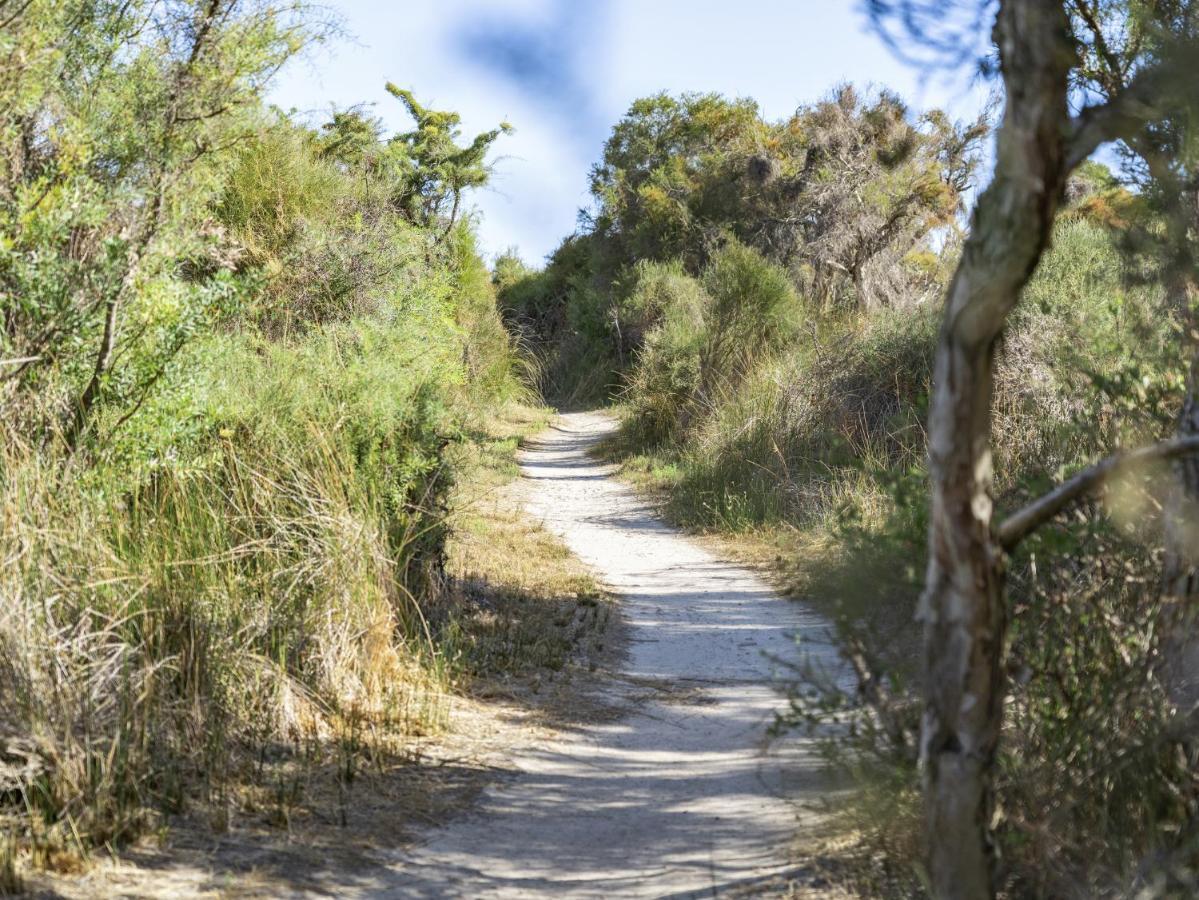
[453,215]
[82,410]
[962,607]
[1180,568]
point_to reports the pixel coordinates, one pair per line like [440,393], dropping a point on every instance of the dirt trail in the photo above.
[679,794]
[672,790]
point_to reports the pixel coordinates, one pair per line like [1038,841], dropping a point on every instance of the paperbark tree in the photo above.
[962,608]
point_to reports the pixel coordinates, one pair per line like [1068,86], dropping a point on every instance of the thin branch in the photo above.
[1089,14]
[1022,523]
[147,389]
[19,360]
[21,7]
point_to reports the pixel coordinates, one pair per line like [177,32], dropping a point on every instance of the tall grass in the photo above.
[227,569]
[813,450]
[244,577]
[158,639]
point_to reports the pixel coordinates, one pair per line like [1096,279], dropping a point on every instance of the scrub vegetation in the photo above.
[252,377]
[259,394]
[763,303]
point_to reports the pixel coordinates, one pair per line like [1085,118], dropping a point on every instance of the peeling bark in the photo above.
[962,607]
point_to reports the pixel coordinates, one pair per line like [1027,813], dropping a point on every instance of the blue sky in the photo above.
[563,71]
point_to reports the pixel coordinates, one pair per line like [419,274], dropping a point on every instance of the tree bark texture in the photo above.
[962,607]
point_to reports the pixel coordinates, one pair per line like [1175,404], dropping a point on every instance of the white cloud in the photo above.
[780,52]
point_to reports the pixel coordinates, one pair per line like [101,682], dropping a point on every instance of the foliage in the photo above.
[434,169]
[319,246]
[557,314]
[817,448]
[113,119]
[831,193]
[850,198]
[234,369]
[704,336]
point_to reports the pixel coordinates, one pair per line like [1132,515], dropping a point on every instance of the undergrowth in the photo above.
[809,459]
[254,359]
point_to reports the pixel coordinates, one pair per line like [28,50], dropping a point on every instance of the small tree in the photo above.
[112,117]
[437,170]
[963,609]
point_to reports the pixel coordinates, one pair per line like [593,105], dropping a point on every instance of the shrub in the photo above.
[222,575]
[702,337]
[264,593]
[815,434]
[672,310]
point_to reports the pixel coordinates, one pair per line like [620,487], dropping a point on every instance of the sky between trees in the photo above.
[562,72]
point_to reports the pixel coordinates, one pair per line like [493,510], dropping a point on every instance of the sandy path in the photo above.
[679,794]
[672,792]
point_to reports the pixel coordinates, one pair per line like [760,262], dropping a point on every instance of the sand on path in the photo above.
[681,793]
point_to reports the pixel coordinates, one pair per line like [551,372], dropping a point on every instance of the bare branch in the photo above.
[19,360]
[21,7]
[1022,523]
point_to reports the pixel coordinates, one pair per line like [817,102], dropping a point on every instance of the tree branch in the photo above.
[1088,12]
[1022,523]
[1126,114]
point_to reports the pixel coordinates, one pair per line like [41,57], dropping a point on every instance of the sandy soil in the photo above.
[662,783]
[679,793]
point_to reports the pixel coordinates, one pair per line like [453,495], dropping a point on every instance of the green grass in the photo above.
[808,460]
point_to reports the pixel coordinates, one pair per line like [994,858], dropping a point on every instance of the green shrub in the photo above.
[671,309]
[224,575]
[702,337]
[757,416]
[755,307]
[557,315]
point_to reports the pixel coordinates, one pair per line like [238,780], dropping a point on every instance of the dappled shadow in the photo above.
[682,791]
[327,849]
[658,777]
[676,785]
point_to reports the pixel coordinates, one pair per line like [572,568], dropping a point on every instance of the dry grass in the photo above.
[233,646]
[518,629]
[526,607]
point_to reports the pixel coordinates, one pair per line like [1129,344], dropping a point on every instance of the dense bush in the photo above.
[702,336]
[237,351]
[847,199]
